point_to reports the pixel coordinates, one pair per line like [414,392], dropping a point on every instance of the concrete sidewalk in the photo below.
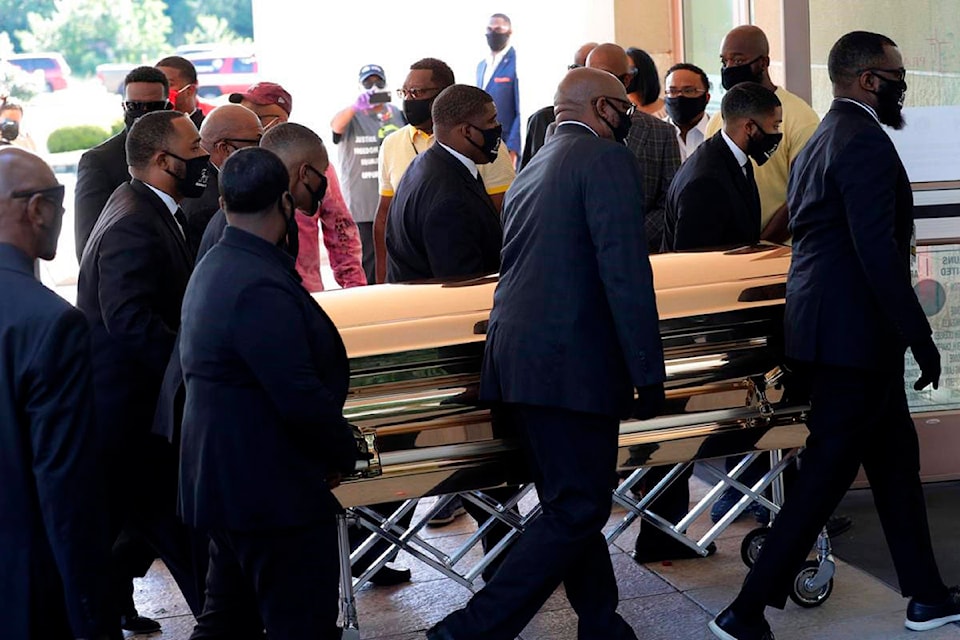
[663,601]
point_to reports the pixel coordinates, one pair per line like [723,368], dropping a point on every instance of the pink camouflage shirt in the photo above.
[340,237]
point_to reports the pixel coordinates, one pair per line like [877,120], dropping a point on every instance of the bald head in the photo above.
[580,57]
[31,203]
[748,40]
[590,96]
[610,58]
[228,128]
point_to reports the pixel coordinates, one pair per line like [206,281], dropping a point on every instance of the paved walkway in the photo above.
[663,601]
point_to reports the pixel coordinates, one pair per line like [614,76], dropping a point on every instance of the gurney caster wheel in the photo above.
[750,547]
[802,593]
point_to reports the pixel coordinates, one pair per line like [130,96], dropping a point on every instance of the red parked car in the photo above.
[55,69]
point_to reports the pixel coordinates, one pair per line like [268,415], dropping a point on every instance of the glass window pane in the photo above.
[705,23]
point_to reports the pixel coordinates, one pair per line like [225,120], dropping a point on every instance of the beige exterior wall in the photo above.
[648,25]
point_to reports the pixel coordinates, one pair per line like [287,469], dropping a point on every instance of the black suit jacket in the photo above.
[100,171]
[536,134]
[132,277]
[169,416]
[266,377]
[200,210]
[849,297]
[442,224]
[654,143]
[53,534]
[574,322]
[711,203]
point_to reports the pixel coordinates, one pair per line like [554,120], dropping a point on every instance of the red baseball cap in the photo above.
[264,93]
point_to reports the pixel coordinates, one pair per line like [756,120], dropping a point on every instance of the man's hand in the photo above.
[363,101]
[649,401]
[928,357]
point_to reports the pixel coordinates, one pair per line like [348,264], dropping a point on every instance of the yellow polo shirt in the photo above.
[401,147]
[799,123]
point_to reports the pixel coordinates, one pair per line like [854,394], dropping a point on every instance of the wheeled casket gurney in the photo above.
[415,354]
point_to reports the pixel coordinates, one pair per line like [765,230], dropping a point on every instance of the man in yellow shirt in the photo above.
[745,56]
[427,78]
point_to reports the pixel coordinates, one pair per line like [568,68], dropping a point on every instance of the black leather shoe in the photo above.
[439,632]
[388,576]
[837,525]
[923,617]
[667,549]
[139,624]
[728,626]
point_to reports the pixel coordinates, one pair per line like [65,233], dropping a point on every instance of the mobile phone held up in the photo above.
[379,97]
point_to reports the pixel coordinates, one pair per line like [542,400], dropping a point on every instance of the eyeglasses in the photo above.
[246,142]
[51,194]
[686,92]
[631,108]
[153,105]
[900,73]
[574,65]
[415,94]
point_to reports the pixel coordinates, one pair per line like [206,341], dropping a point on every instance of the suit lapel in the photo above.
[168,221]
[471,183]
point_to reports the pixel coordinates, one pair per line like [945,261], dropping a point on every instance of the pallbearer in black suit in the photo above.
[133,274]
[442,223]
[264,437]
[851,314]
[104,168]
[713,201]
[573,337]
[54,542]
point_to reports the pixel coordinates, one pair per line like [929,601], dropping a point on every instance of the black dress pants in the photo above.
[856,417]
[572,458]
[285,582]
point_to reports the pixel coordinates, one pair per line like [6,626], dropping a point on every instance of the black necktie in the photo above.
[480,184]
[181,219]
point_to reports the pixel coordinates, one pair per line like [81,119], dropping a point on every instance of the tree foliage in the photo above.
[213,29]
[91,32]
[13,15]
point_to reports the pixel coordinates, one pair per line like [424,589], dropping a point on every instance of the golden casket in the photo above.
[415,353]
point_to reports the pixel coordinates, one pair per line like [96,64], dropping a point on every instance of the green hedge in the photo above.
[74,138]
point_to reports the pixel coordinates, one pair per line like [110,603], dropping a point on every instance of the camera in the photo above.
[9,130]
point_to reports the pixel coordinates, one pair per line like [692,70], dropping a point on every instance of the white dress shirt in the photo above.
[172,205]
[695,137]
[493,61]
[738,153]
[467,162]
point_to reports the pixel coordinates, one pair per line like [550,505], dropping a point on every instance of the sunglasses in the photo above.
[154,105]
[51,194]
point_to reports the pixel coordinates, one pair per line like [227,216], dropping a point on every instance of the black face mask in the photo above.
[290,243]
[491,141]
[760,149]
[732,76]
[683,110]
[622,129]
[497,41]
[417,112]
[890,97]
[194,179]
[316,197]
